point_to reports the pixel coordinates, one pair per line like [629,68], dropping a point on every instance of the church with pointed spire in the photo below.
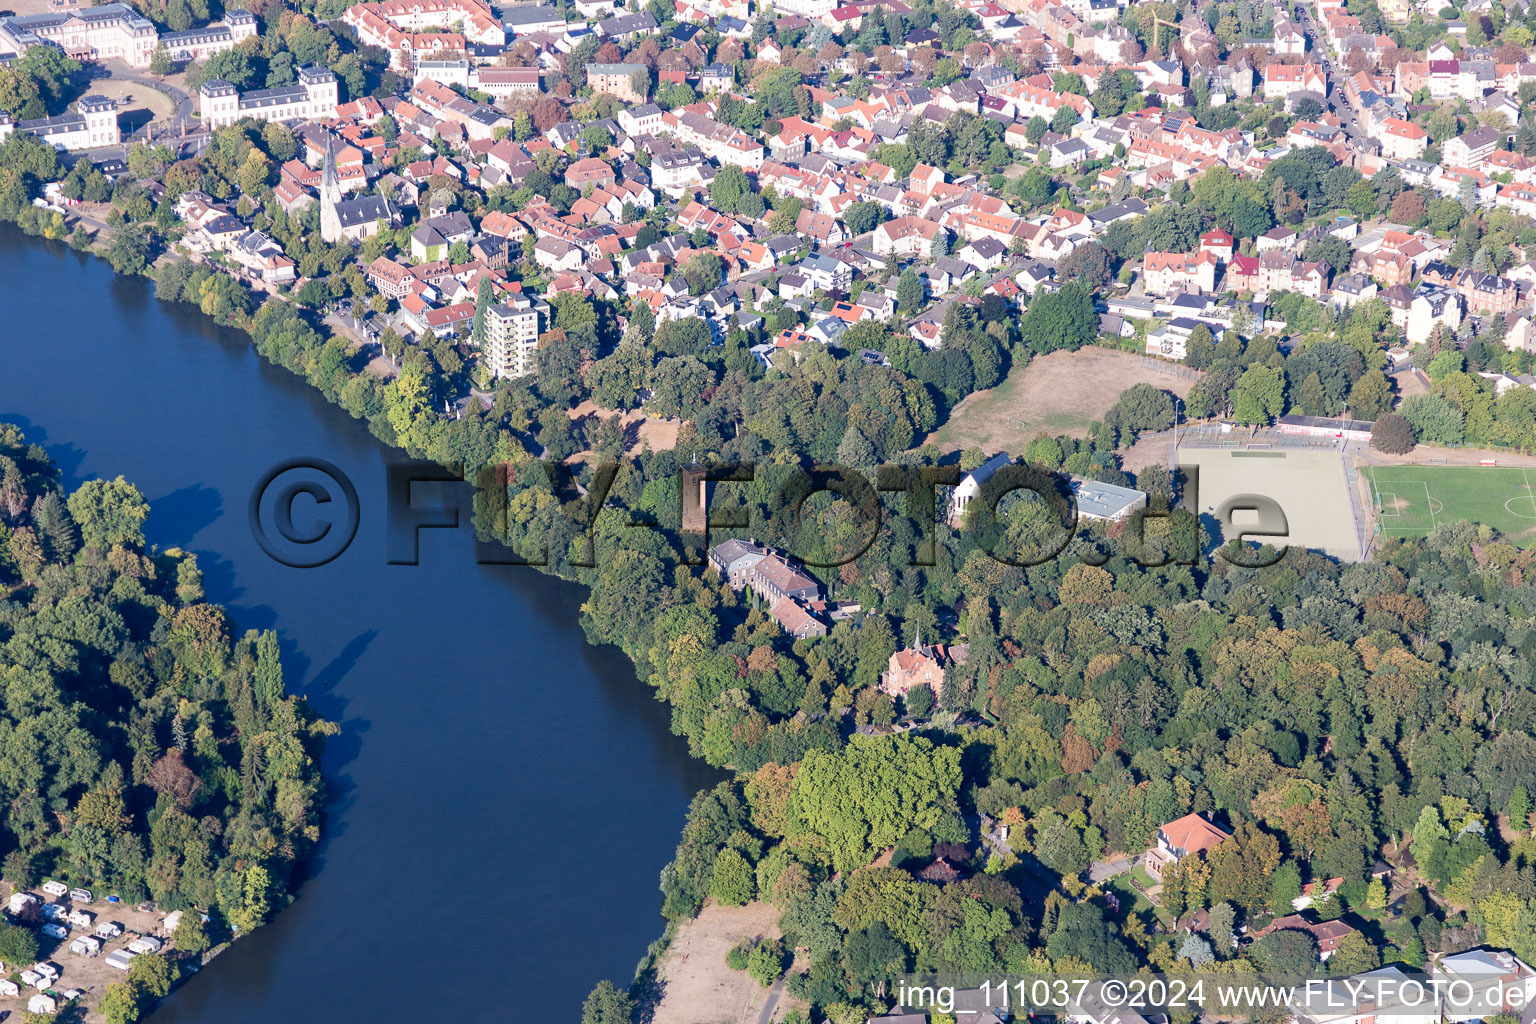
[348,220]
[330,196]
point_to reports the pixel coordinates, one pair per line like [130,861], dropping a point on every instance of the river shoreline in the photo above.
[570,603]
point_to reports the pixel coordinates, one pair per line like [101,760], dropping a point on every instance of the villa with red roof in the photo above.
[1218,243]
[1243,274]
[1169,273]
[1327,934]
[1178,839]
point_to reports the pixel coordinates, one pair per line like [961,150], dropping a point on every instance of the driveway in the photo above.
[1104,870]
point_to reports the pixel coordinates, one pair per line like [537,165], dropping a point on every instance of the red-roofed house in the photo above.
[819,226]
[1402,140]
[1218,243]
[905,236]
[1314,893]
[450,317]
[1178,839]
[1170,273]
[848,17]
[392,280]
[1243,274]
[1283,79]
[589,171]
[1327,933]
[918,666]
[795,620]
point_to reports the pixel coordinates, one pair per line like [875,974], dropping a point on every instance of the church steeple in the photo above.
[330,195]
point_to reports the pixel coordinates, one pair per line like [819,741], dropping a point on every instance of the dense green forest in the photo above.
[145,750]
[1328,715]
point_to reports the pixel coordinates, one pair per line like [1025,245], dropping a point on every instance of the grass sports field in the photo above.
[1412,500]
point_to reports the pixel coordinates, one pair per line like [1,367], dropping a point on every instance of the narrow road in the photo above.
[91,222]
[773,1001]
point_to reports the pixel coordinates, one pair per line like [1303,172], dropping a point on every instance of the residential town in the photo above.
[786,170]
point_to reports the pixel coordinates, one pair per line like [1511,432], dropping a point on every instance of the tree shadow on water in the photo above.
[342,748]
[182,514]
[66,456]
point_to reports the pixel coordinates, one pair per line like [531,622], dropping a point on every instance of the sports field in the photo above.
[1412,500]
[1308,486]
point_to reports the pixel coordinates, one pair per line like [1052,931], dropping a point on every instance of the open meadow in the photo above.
[1058,393]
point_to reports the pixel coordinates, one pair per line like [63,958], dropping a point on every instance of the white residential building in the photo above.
[970,487]
[312,98]
[512,337]
[92,123]
[202,43]
[1441,306]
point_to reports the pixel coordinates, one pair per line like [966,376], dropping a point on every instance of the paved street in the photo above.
[1318,51]
[772,1003]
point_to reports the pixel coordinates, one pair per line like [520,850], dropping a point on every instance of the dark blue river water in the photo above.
[504,795]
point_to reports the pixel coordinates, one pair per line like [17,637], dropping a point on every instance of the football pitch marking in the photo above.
[1509,506]
[1503,497]
[1527,499]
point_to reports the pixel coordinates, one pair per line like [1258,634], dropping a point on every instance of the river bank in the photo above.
[476,752]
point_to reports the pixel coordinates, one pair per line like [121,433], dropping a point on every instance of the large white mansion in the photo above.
[313,98]
[118,32]
[91,33]
[92,123]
